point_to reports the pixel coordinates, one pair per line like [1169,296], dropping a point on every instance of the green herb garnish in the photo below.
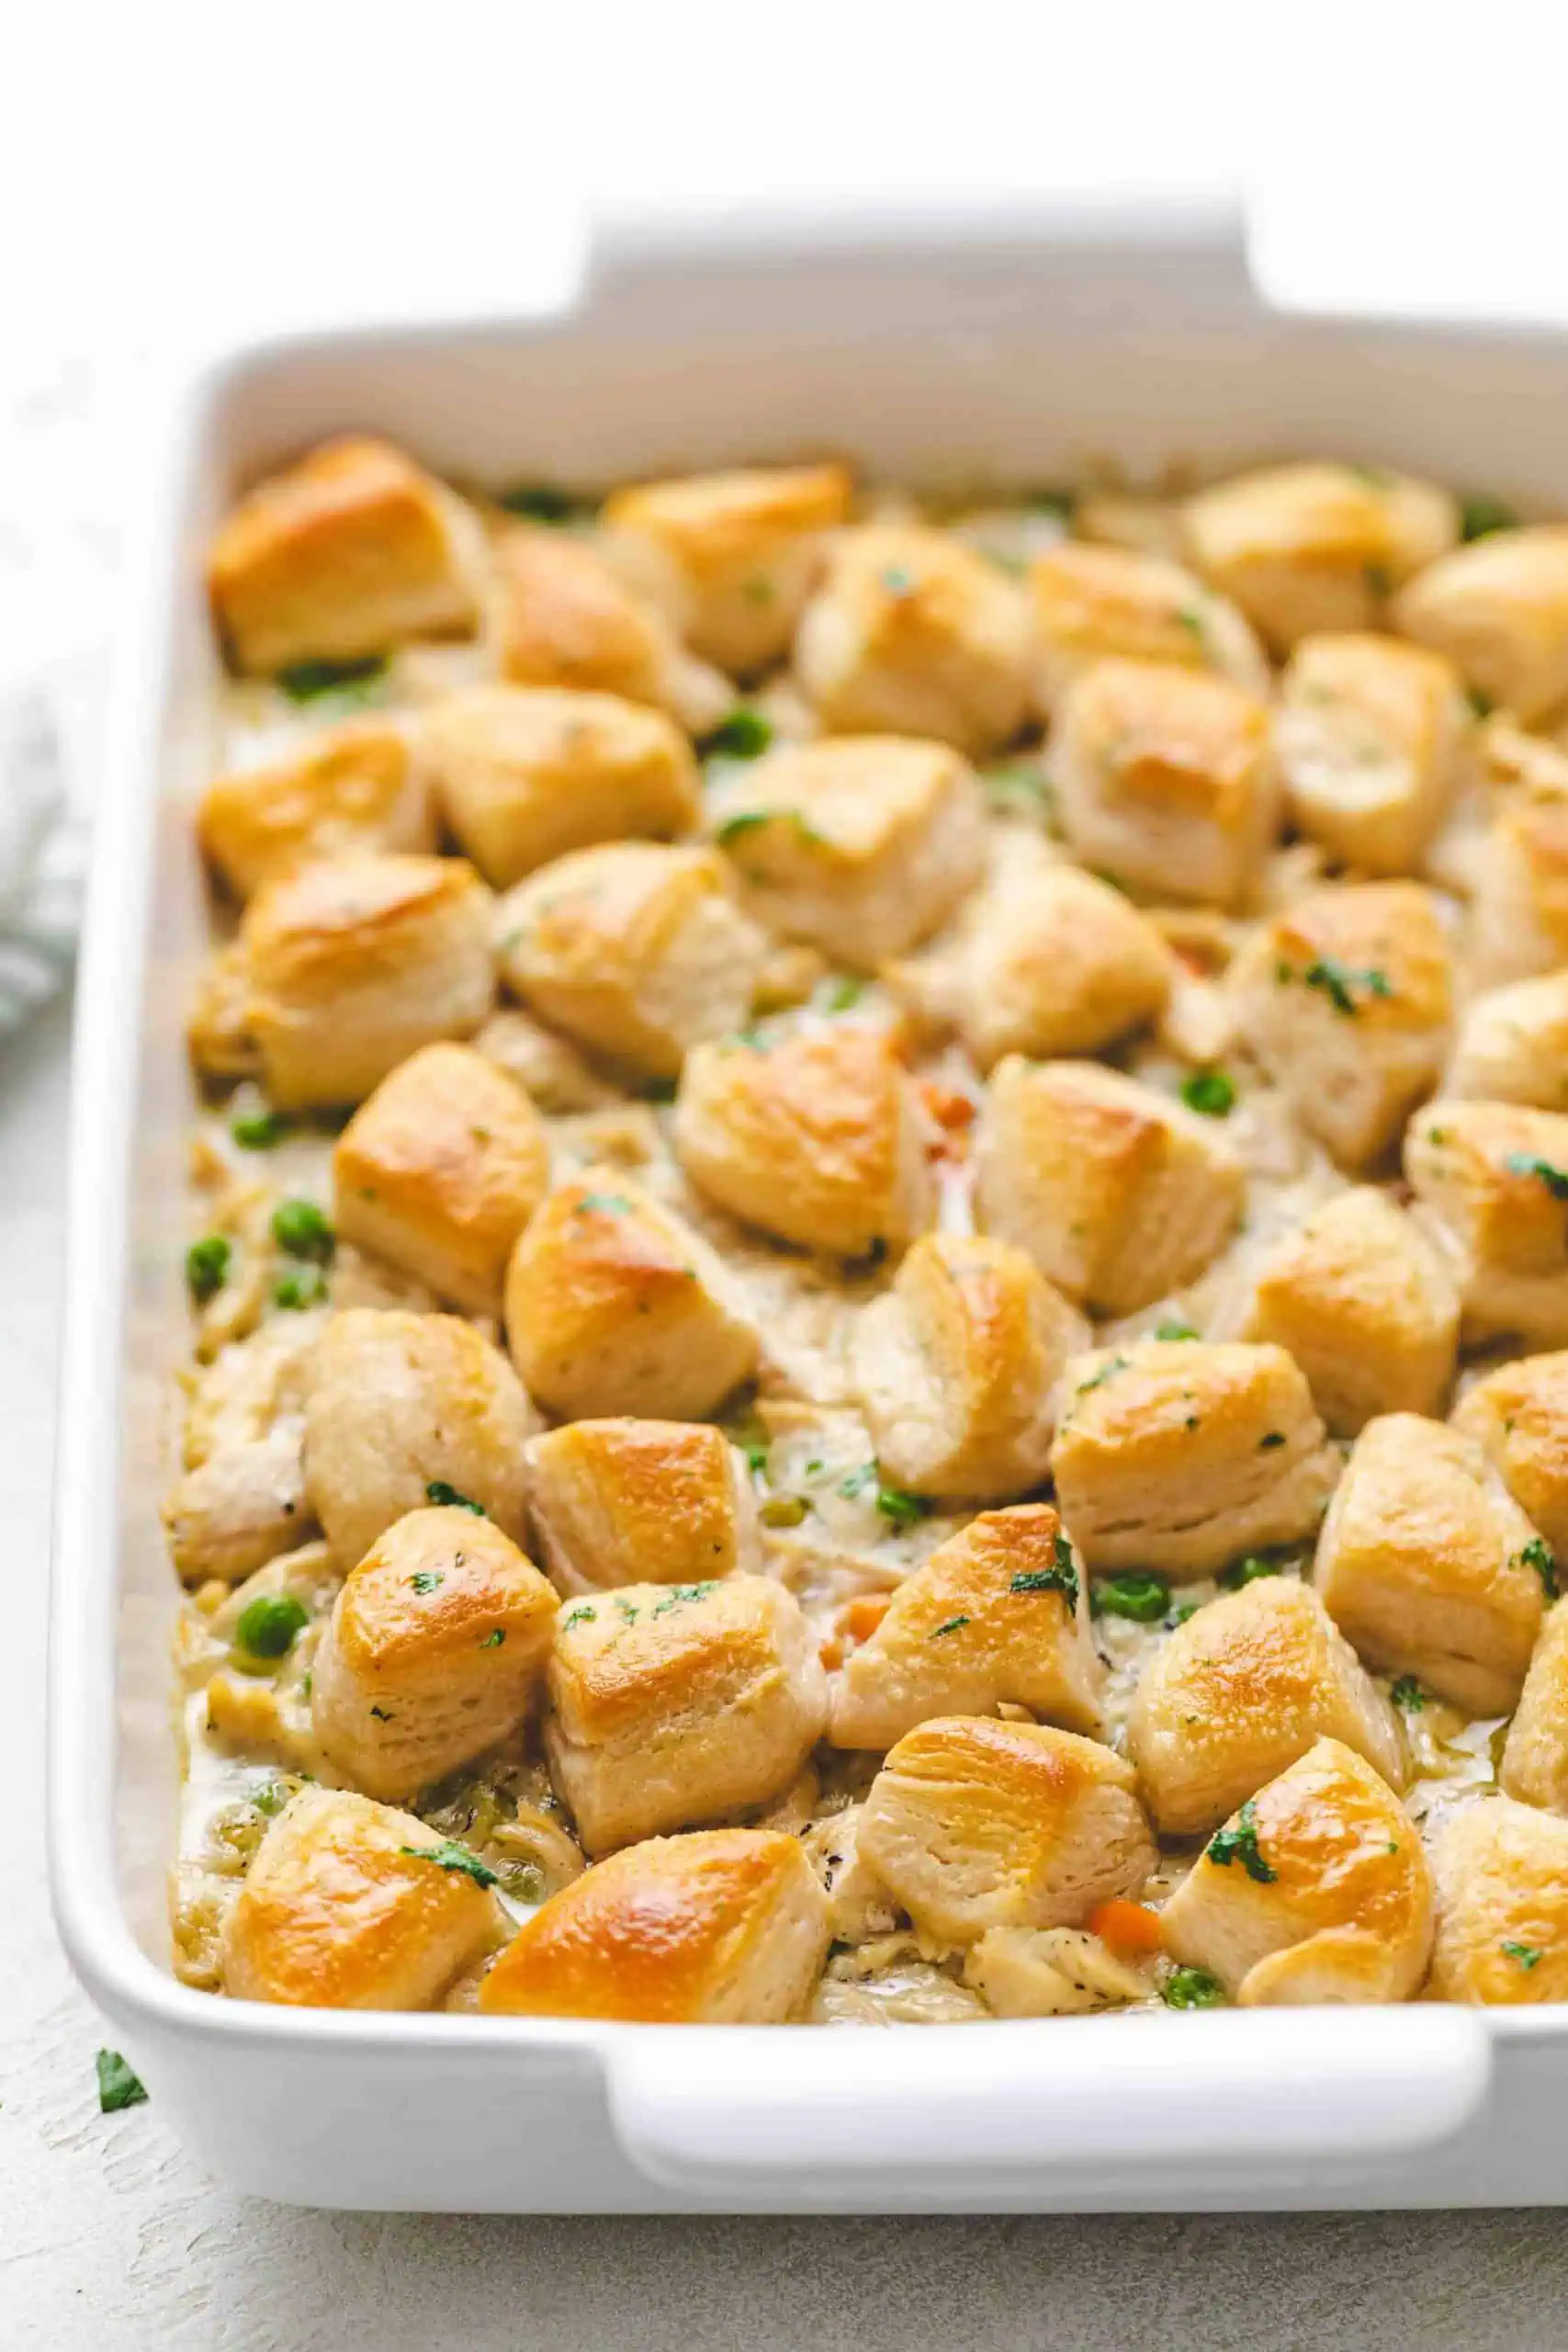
[745,820]
[1013,784]
[305,1230]
[898,579]
[1339,982]
[542,502]
[450,1856]
[301,1287]
[602,1205]
[900,1509]
[838,996]
[1062,1578]
[744,735]
[118,2086]
[1408,1695]
[582,1615]
[258,1130]
[1479,517]
[1171,1329]
[951,1627]
[304,681]
[1272,1438]
[1060,503]
[445,1498]
[1248,1571]
[207,1266]
[270,1624]
[1528,1955]
[1537,1555]
[427,1580]
[1193,1988]
[1142,1599]
[1240,1844]
[1098,1379]
[678,1593]
[493,1641]
[1209,1091]
[1524,1163]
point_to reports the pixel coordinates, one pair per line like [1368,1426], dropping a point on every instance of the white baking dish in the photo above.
[1013,347]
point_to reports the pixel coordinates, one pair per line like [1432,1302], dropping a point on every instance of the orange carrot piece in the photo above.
[860,1619]
[1127,1927]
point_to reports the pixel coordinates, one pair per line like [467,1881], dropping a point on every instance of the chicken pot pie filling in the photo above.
[879,1239]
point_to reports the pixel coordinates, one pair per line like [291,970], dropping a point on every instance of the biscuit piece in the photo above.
[1118,1194]
[911,633]
[343,555]
[1181,1454]
[1429,1567]
[347,967]
[1095,602]
[995,1616]
[1346,998]
[672,1705]
[400,1405]
[957,1364]
[1317,1890]
[1165,779]
[1498,609]
[347,1908]
[732,556]
[1502,1878]
[1519,879]
[231,1514]
[816,1140]
[723,1927]
[861,846]
[636,949]
[562,617]
[1239,1691]
[351,787]
[973,1825]
[1535,1756]
[615,1306]
[640,1502]
[1513,1046]
[1494,1177]
[524,774]
[434,1649]
[1369,737]
[1369,1309]
[1519,1415]
[1316,547]
[440,1171]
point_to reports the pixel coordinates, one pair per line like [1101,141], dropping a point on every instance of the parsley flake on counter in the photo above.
[269,1626]
[1192,1988]
[304,1230]
[1524,1163]
[119,2085]
[207,1266]
[1143,1600]
[445,1498]
[1528,1955]
[1209,1091]
[450,1856]
[1240,1844]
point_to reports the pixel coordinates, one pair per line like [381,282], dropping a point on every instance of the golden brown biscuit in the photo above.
[995,1616]
[1429,1567]
[733,555]
[350,787]
[1309,547]
[400,1403]
[1499,610]
[1240,1691]
[1519,883]
[1095,602]
[862,846]
[911,633]
[563,617]
[1535,1756]
[640,1502]
[1346,999]
[615,1306]
[815,1138]
[342,555]
[434,1652]
[957,1364]
[1182,1455]
[345,1907]
[1513,1046]
[723,1927]
[972,1824]
[440,1171]
[524,774]
[1502,1878]
[672,1705]
[1369,736]
[1118,1194]
[1362,1299]
[1493,1178]
[346,967]
[636,949]
[1519,1415]
[1316,1890]
[1165,779]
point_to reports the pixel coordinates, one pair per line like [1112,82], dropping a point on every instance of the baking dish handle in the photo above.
[1068,2107]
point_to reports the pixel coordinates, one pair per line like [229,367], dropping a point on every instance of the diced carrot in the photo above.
[860,1619]
[831,1653]
[1127,1927]
[946,1105]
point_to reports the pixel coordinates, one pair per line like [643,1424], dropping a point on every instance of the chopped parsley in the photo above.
[1240,1844]
[898,579]
[1479,517]
[1524,1163]
[838,996]
[744,735]
[1408,1695]
[304,1230]
[445,1498]
[271,1797]
[207,1266]
[1537,1555]
[427,1580]
[683,1592]
[1060,503]
[1062,1578]
[1172,1330]
[1528,1955]
[582,1615]
[602,1205]
[1013,784]
[269,1625]
[1098,1379]
[303,681]
[1192,1988]
[1191,620]
[1267,1443]
[745,820]
[541,501]
[1248,1571]
[493,1641]
[1209,1091]
[951,1627]
[1181,1613]
[1341,983]
[450,1856]
[900,1509]
[258,1130]
[1142,1599]
[119,2085]
[301,1286]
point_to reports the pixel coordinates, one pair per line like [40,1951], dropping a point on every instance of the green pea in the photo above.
[304,1230]
[269,1625]
[207,1266]
[1142,1599]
